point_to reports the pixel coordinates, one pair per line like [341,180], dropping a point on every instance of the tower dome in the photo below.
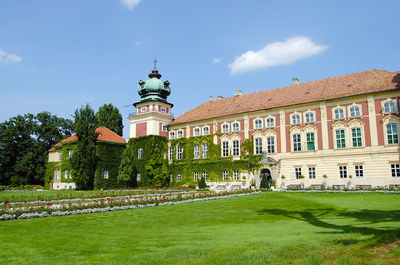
[154,89]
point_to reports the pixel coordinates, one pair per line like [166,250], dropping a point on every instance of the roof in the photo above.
[104,134]
[330,88]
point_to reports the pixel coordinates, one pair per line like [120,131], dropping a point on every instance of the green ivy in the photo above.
[50,168]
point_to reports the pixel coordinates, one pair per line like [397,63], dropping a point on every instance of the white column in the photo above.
[324,126]
[282,126]
[372,121]
[246,127]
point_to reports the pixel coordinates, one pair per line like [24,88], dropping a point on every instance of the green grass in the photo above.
[278,228]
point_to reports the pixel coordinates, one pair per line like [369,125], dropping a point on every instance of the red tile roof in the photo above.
[104,134]
[324,89]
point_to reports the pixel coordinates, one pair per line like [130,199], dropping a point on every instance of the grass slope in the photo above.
[277,228]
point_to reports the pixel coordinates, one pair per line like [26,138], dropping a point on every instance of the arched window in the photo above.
[355,111]
[235,127]
[171,135]
[225,128]
[270,122]
[258,124]
[296,119]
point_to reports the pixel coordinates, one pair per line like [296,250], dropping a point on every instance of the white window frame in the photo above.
[236,175]
[172,135]
[268,123]
[205,175]
[196,151]
[295,118]
[225,175]
[143,109]
[271,144]
[357,137]
[258,146]
[339,113]
[354,110]
[164,127]
[196,131]
[105,174]
[297,172]
[163,109]
[342,140]
[236,147]
[312,174]
[307,116]
[225,127]
[359,171]
[179,152]
[206,130]
[66,174]
[205,150]
[179,134]
[395,170]
[59,156]
[258,123]
[389,106]
[394,136]
[171,153]
[296,143]
[140,153]
[225,148]
[70,152]
[343,172]
[178,177]
[196,176]
[234,129]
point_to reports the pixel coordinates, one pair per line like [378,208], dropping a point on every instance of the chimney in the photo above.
[295,81]
[238,92]
[211,98]
[220,97]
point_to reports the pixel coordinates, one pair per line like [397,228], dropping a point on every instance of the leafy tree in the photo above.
[24,141]
[202,183]
[264,182]
[84,160]
[127,170]
[109,116]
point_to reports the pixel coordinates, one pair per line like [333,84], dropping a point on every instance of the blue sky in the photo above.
[59,55]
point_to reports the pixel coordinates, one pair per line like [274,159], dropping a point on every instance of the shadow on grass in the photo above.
[364,218]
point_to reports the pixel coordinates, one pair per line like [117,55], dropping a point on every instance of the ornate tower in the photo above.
[153,112]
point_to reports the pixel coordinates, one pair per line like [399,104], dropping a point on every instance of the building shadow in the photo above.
[363,222]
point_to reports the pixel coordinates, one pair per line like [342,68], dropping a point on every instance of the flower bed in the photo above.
[48,209]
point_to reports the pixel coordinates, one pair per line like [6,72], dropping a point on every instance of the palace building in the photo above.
[341,131]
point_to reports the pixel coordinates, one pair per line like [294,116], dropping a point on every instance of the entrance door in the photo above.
[266,172]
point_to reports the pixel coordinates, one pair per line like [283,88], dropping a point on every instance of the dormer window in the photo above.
[389,107]
[235,127]
[296,119]
[171,135]
[355,111]
[196,131]
[206,130]
[258,124]
[225,128]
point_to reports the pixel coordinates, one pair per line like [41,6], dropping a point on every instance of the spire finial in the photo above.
[155,63]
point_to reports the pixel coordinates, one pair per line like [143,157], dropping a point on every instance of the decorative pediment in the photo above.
[310,128]
[355,123]
[390,119]
[295,129]
[339,125]
[270,132]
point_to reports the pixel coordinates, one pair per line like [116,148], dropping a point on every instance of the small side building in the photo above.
[109,148]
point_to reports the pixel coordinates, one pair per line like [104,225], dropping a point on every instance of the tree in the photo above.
[24,141]
[202,183]
[109,116]
[264,182]
[84,160]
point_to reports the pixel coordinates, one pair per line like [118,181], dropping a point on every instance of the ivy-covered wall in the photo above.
[50,168]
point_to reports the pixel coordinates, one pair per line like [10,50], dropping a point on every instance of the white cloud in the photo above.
[217,60]
[9,57]
[276,53]
[137,43]
[130,4]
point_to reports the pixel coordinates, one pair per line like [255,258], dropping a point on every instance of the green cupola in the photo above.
[154,89]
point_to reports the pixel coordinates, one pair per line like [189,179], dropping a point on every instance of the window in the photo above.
[205,150]
[235,127]
[171,178]
[236,147]
[196,151]
[59,156]
[310,141]
[105,174]
[164,128]
[296,119]
[258,143]
[205,175]
[70,152]
[196,175]
[270,122]
[297,172]
[57,174]
[270,144]
[67,174]
[196,131]
[171,135]
[179,151]
[225,128]
[359,170]
[206,130]
[392,133]
[140,153]
[355,111]
[356,137]
[296,143]
[258,124]
[310,117]
[178,177]
[389,106]
[225,175]
[340,139]
[225,149]
[311,172]
[163,109]
[343,172]
[143,109]
[171,153]
[395,170]
[236,175]
[339,113]
[180,134]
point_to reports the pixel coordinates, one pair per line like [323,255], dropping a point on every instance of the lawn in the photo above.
[271,227]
